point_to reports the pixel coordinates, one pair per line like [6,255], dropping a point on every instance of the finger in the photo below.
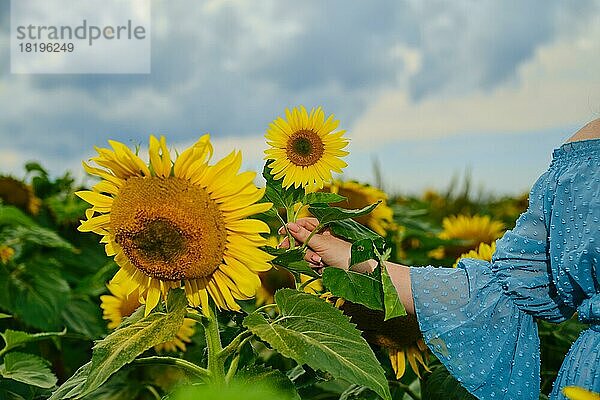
[285,244]
[310,223]
[301,233]
[312,257]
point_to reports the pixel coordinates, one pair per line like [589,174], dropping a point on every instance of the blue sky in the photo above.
[428,88]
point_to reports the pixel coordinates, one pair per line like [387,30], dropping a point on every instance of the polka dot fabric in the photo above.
[479,319]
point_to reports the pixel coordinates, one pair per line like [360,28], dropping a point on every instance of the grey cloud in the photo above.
[230,69]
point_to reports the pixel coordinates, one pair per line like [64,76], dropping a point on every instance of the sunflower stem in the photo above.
[308,282]
[232,368]
[192,368]
[216,363]
[406,389]
[291,217]
[313,233]
[235,344]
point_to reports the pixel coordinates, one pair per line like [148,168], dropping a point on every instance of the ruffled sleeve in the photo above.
[478,332]
[479,318]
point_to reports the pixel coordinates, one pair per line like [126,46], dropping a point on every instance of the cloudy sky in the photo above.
[426,89]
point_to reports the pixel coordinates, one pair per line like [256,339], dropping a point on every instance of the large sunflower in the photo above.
[118,305]
[304,148]
[184,222]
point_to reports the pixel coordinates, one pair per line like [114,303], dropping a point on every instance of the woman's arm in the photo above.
[328,250]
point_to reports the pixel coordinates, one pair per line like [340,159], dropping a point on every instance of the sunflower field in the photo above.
[166,278]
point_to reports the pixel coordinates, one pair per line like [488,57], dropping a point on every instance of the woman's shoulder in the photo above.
[590,131]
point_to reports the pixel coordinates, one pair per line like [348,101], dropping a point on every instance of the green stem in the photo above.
[216,363]
[308,282]
[201,319]
[194,369]
[406,389]
[153,392]
[235,344]
[232,368]
[314,232]
[290,218]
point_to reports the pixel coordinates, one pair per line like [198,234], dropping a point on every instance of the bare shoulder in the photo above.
[590,131]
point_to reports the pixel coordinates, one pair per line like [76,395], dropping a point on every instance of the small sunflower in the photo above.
[119,304]
[483,252]
[579,393]
[304,148]
[183,223]
[359,195]
[19,194]
[6,253]
[476,229]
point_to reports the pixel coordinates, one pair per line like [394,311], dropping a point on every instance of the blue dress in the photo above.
[479,319]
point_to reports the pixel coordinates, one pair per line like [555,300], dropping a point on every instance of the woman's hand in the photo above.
[324,249]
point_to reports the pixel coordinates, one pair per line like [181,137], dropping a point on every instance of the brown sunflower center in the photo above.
[305,148]
[168,228]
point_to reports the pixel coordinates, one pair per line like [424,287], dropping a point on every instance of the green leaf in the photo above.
[312,331]
[95,285]
[352,231]
[83,316]
[293,260]
[10,215]
[125,344]
[29,369]
[39,236]
[5,316]
[37,294]
[391,301]
[13,339]
[322,198]
[262,375]
[232,391]
[362,250]
[353,286]
[276,194]
[441,385]
[328,214]
[124,385]
[74,385]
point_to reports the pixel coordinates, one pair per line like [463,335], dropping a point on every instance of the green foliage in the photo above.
[314,332]
[356,287]
[265,376]
[352,231]
[391,301]
[132,338]
[35,293]
[329,214]
[322,198]
[441,385]
[13,339]
[234,391]
[29,369]
[276,194]
[293,260]
[10,215]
